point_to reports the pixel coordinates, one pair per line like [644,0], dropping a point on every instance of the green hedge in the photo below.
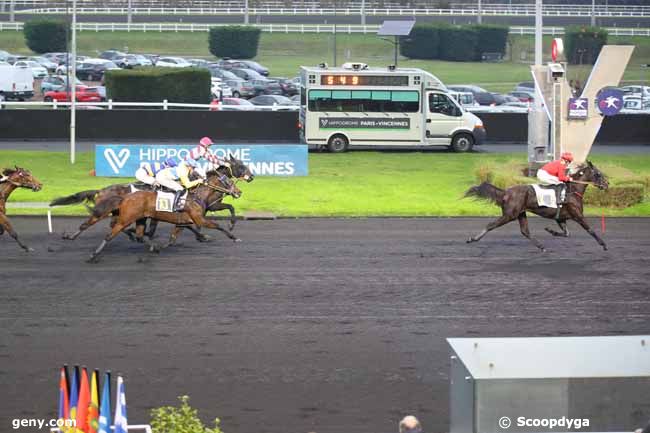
[458,44]
[239,42]
[422,43]
[583,44]
[186,85]
[491,39]
[45,35]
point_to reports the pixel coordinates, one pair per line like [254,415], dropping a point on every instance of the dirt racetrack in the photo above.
[325,325]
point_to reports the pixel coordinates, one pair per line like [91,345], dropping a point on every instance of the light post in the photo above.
[593,13]
[246,17]
[479,16]
[73,93]
[335,33]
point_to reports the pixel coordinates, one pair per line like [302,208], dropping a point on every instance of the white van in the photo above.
[355,105]
[15,83]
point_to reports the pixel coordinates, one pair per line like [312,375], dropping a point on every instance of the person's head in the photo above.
[410,424]
[206,142]
[170,162]
[189,162]
[567,158]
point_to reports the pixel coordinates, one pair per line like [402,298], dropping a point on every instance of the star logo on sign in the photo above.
[578,104]
[611,102]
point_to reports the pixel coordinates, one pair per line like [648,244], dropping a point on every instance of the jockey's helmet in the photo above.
[191,162]
[170,162]
[206,142]
[567,156]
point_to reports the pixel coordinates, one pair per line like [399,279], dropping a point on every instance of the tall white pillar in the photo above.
[73,88]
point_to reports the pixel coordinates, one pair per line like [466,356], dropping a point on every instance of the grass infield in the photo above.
[361,183]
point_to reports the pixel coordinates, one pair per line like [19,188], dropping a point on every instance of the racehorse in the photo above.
[515,201]
[142,204]
[15,178]
[237,170]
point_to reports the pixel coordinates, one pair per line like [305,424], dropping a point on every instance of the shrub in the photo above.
[42,36]
[490,39]
[458,44]
[583,44]
[186,85]
[182,419]
[422,43]
[238,42]
[616,196]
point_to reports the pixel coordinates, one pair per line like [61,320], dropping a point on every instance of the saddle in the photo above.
[165,201]
[547,195]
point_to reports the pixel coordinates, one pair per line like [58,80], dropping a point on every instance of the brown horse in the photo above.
[14,178]
[515,201]
[90,198]
[142,204]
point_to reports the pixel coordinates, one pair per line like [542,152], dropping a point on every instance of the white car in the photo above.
[640,91]
[38,71]
[636,103]
[220,89]
[44,62]
[173,62]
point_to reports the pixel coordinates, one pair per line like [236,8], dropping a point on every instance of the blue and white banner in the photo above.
[121,160]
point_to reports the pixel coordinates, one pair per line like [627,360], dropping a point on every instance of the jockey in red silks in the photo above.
[201,152]
[554,173]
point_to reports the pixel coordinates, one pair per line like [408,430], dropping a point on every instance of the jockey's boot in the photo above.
[177,200]
[558,199]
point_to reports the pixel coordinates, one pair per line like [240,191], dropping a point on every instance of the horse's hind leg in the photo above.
[503,219]
[85,226]
[565,231]
[523,226]
[6,225]
[116,230]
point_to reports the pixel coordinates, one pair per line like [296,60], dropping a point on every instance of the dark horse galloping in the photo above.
[15,178]
[515,201]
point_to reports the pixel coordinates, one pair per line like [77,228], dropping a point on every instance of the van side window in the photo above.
[439,103]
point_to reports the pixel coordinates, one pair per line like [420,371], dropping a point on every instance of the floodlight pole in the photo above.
[129,16]
[396,49]
[479,16]
[363,12]
[246,17]
[12,10]
[335,33]
[593,13]
[73,94]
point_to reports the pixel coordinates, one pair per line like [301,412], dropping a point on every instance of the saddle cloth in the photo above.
[546,196]
[165,201]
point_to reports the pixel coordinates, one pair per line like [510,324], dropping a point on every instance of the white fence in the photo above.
[291,28]
[549,12]
[165,105]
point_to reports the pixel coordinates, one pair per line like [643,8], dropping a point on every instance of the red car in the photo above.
[84,94]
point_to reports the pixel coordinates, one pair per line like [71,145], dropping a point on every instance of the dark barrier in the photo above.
[279,126]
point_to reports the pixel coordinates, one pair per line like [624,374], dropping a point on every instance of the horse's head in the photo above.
[221,182]
[240,170]
[22,178]
[588,172]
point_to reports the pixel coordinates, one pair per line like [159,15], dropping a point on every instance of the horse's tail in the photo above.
[75,198]
[486,191]
[104,207]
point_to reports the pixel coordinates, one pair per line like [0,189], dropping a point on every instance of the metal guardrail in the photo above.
[292,28]
[165,105]
[563,12]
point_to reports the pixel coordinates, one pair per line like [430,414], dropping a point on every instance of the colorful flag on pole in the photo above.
[64,402]
[105,410]
[93,407]
[121,424]
[84,401]
[74,392]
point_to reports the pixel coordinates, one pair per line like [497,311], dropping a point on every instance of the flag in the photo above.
[105,410]
[84,401]
[74,393]
[93,408]
[121,425]
[64,403]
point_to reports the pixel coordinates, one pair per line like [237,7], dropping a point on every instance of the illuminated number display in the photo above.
[364,80]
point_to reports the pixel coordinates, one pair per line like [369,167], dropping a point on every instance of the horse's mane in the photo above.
[8,171]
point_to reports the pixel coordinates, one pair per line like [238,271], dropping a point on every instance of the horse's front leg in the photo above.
[580,219]
[202,221]
[6,226]
[231,209]
[565,231]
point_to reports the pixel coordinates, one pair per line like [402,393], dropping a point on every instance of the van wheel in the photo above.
[462,143]
[235,94]
[337,144]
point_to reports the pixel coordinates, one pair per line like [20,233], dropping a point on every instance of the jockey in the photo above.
[201,151]
[554,173]
[148,171]
[178,179]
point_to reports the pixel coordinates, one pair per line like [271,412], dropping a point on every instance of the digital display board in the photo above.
[364,80]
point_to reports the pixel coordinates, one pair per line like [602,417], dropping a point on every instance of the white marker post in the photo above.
[49,220]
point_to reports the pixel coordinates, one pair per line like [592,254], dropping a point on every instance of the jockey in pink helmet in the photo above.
[201,152]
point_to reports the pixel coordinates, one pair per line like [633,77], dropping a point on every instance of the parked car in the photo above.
[236,104]
[241,88]
[224,74]
[266,87]
[465,99]
[94,69]
[15,83]
[247,74]
[636,103]
[296,81]
[63,66]
[143,60]
[640,91]
[243,64]
[220,89]
[173,62]
[38,71]
[112,54]
[199,63]
[523,95]
[130,61]
[295,99]
[84,94]
[56,83]
[153,58]
[513,101]
[3,55]
[288,86]
[12,59]
[482,96]
[279,102]
[57,58]
[526,86]
[44,62]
